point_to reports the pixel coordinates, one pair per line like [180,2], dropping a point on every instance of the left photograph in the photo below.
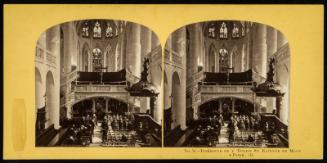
[98,83]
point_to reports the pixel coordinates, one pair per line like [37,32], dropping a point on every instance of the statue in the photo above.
[271,71]
[269,87]
[109,32]
[223,30]
[144,74]
[97,30]
[235,33]
[212,31]
[85,30]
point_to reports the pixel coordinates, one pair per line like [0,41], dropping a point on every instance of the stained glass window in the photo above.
[223,30]
[97,30]
[223,60]
[97,60]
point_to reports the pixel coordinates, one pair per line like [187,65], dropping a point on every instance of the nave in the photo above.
[233,124]
[240,130]
[107,124]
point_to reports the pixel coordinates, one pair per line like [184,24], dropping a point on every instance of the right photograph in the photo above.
[226,84]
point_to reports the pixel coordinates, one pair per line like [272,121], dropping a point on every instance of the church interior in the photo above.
[98,83]
[226,84]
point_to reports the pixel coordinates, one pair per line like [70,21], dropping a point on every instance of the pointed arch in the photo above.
[212,58]
[50,98]
[85,57]
[38,89]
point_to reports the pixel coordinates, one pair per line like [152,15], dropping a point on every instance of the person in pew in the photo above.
[196,141]
[250,138]
[94,119]
[123,138]
[69,141]
[120,125]
[231,135]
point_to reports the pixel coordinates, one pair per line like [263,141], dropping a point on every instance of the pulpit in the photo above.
[269,88]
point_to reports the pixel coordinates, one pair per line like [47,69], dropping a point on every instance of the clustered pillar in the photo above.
[260,51]
[133,51]
[178,45]
[146,49]
[158,84]
[271,50]
[195,52]
[53,46]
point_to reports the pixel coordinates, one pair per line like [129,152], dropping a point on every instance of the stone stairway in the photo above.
[223,138]
[97,136]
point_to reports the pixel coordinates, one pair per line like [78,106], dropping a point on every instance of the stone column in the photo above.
[53,45]
[271,50]
[167,92]
[133,55]
[195,51]
[70,45]
[243,58]
[69,111]
[106,105]
[279,101]
[93,106]
[216,62]
[230,60]
[118,56]
[179,46]
[260,50]
[271,41]
[153,101]
[220,106]
[158,112]
[281,40]
[146,49]
[90,58]
[195,48]
[233,105]
[122,43]
[284,109]
[248,53]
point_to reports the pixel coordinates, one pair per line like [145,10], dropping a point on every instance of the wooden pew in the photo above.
[44,138]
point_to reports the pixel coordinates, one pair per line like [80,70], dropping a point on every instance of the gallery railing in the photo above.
[276,125]
[173,58]
[155,55]
[72,76]
[44,56]
[225,88]
[100,88]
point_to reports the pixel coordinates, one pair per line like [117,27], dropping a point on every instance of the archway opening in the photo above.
[226,107]
[85,58]
[100,106]
[38,89]
[50,100]
[176,99]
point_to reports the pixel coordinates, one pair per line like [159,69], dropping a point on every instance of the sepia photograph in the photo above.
[163,81]
[98,83]
[226,84]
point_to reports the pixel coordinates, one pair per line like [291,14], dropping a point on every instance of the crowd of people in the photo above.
[239,123]
[117,129]
[208,131]
[79,131]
